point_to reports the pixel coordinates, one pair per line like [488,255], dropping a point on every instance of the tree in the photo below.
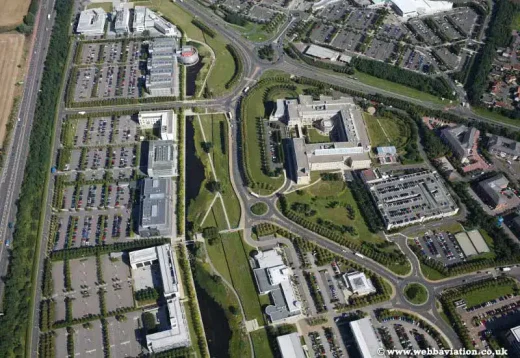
[214,186]
[149,321]
[146,33]
[206,146]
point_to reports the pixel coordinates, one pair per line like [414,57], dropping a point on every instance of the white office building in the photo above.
[165,120]
[162,159]
[290,346]
[146,19]
[177,333]
[359,283]
[92,22]
[121,24]
[367,341]
[413,8]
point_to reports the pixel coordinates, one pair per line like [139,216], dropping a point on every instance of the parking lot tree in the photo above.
[149,322]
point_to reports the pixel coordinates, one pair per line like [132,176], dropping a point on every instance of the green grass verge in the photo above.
[397,88]
[261,344]
[237,252]
[416,293]
[259,208]
[495,116]
[216,131]
[431,273]
[224,66]
[107,6]
[316,137]
[191,327]
[218,258]
[486,294]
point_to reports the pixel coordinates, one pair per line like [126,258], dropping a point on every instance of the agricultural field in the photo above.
[12,13]
[10,58]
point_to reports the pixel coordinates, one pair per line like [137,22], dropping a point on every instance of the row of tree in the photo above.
[47,345]
[204,28]
[239,66]
[366,206]
[180,205]
[498,34]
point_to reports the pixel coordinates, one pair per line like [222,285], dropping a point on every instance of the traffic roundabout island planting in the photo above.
[259,208]
[416,294]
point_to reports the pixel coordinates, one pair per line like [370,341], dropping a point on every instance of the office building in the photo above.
[162,77]
[162,159]
[411,198]
[177,333]
[340,119]
[413,8]
[290,346]
[504,147]
[358,283]
[121,24]
[165,121]
[490,191]
[156,208]
[146,19]
[92,22]
[513,337]
[274,277]
[462,140]
[367,342]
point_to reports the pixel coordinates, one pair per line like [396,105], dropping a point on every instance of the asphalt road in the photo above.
[14,166]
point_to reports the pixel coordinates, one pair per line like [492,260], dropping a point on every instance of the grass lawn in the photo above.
[486,294]
[416,293]
[224,66]
[220,157]
[252,31]
[241,275]
[316,137]
[495,116]
[107,6]
[218,258]
[259,208]
[216,217]
[431,274]
[387,131]
[253,109]
[320,195]
[261,344]
[199,206]
[397,88]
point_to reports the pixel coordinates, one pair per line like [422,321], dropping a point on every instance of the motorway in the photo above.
[14,165]
[253,68]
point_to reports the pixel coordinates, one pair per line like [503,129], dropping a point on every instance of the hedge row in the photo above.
[239,66]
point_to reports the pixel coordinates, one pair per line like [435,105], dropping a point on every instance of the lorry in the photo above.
[505,269]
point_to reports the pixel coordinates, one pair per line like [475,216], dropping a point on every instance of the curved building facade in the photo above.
[188,55]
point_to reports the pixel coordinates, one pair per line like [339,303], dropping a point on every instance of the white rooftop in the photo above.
[422,6]
[92,22]
[177,335]
[290,346]
[269,258]
[359,283]
[366,338]
[321,52]
[516,332]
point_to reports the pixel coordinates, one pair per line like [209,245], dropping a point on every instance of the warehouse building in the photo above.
[340,119]
[176,333]
[92,22]
[273,277]
[359,283]
[367,342]
[322,53]
[166,121]
[411,198]
[413,8]
[504,147]
[462,140]
[490,191]
[146,19]
[290,346]
[157,216]
[121,24]
[162,159]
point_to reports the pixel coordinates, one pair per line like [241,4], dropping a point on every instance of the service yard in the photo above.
[10,58]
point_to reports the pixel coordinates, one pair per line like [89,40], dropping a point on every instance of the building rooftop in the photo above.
[290,346]
[478,241]
[386,150]
[321,52]
[461,139]
[156,207]
[359,283]
[422,6]
[503,146]
[92,22]
[465,244]
[366,338]
[516,333]
[162,158]
[491,189]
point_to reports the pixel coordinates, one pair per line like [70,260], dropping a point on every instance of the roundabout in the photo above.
[259,208]
[416,294]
